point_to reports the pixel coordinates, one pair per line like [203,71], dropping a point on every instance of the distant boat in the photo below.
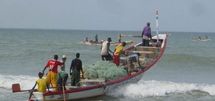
[201,38]
[91,42]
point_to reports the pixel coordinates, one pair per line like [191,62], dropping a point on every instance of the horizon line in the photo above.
[49,29]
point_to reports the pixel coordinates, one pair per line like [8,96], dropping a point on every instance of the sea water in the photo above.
[184,73]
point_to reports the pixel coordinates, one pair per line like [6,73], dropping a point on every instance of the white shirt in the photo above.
[104,50]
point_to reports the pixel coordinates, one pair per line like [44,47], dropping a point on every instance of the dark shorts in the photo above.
[145,42]
[107,57]
[62,82]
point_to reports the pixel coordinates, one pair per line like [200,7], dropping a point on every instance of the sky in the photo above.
[126,15]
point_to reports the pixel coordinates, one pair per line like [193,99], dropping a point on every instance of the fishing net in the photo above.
[103,70]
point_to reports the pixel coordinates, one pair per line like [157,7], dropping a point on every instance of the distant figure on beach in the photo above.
[120,38]
[146,35]
[105,50]
[86,39]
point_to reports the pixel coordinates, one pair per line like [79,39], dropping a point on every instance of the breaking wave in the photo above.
[160,88]
[26,82]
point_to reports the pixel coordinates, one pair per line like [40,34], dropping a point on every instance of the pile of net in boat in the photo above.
[104,70]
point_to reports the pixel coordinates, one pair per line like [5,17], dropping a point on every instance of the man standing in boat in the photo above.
[53,65]
[146,35]
[75,69]
[105,49]
[62,75]
[117,52]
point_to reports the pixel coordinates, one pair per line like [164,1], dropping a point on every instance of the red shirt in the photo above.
[53,65]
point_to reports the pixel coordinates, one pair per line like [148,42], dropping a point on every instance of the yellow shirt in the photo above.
[118,50]
[41,85]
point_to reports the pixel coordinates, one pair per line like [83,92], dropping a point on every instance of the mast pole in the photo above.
[157,25]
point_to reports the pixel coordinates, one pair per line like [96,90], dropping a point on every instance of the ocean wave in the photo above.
[144,89]
[189,58]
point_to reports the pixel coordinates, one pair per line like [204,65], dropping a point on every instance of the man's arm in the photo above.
[81,66]
[101,45]
[81,69]
[108,46]
[70,70]
[61,63]
[47,86]
[44,70]
[47,65]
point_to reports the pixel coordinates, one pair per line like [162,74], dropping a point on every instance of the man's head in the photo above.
[109,39]
[77,55]
[40,74]
[56,57]
[148,23]
[123,43]
[64,58]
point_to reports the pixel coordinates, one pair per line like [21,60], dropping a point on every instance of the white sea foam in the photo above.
[159,88]
[26,82]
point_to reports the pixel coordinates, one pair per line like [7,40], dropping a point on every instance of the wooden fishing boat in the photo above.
[91,42]
[147,57]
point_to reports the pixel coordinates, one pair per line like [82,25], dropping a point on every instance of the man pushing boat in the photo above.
[105,50]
